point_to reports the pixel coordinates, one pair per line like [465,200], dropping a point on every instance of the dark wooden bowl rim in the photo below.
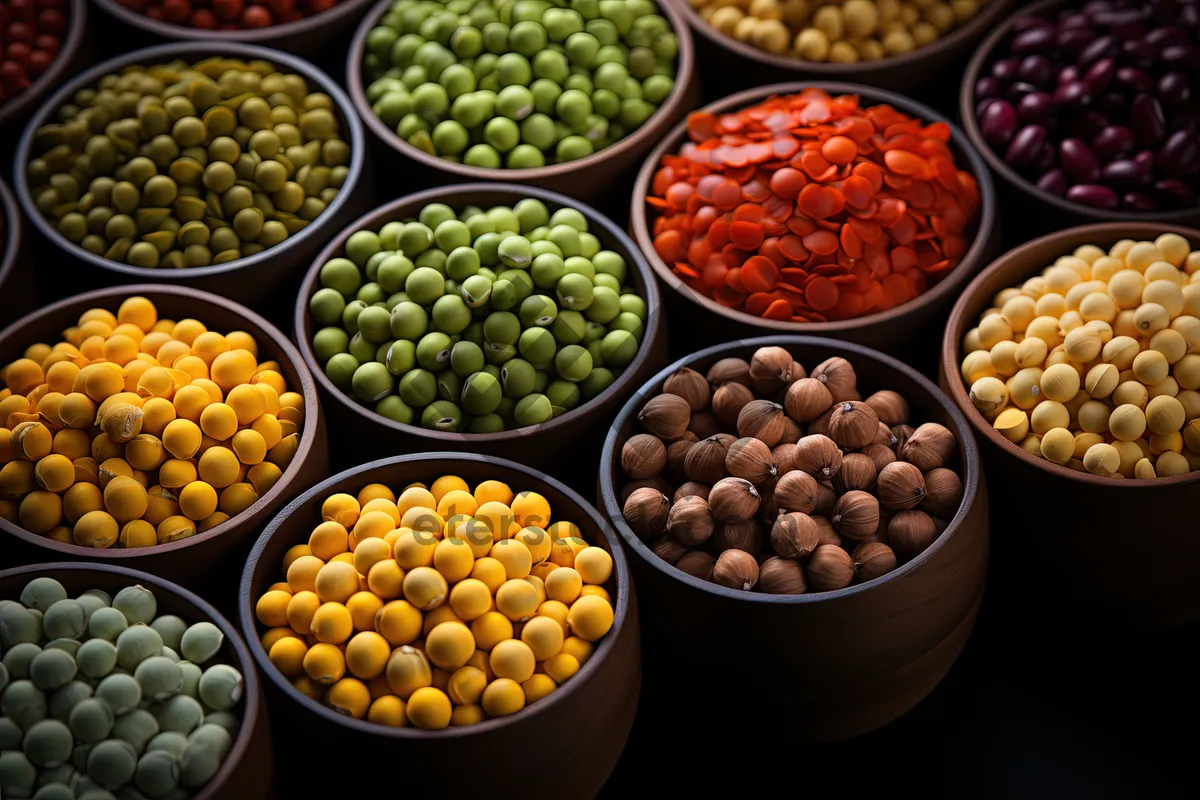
[966,102]
[10,217]
[245,665]
[438,462]
[193,49]
[456,196]
[684,75]
[76,25]
[308,433]
[300,27]
[1020,264]
[949,284]
[608,467]
[986,17]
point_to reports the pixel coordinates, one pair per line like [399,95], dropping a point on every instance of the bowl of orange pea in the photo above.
[821,208]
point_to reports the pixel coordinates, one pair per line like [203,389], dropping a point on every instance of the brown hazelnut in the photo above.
[698,564]
[797,491]
[704,424]
[795,535]
[807,399]
[838,376]
[943,492]
[749,458]
[678,451]
[728,370]
[825,532]
[690,489]
[830,569]
[770,369]
[726,439]
[733,500]
[930,446]
[900,434]
[857,472]
[826,499]
[880,455]
[798,371]
[736,536]
[646,513]
[889,406]
[781,576]
[818,455]
[821,424]
[884,436]
[768,509]
[856,515]
[690,521]
[705,461]
[871,560]
[782,454]
[763,420]
[658,484]
[666,416]
[853,425]
[728,401]
[910,532]
[736,569]
[668,550]
[791,430]
[691,386]
[900,486]
[643,456]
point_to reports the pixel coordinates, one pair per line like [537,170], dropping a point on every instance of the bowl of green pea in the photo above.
[505,320]
[562,94]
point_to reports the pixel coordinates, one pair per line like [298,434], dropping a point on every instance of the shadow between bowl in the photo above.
[18,289]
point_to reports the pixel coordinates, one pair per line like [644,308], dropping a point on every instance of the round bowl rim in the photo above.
[966,112]
[651,129]
[453,196]
[76,24]
[10,218]
[958,277]
[251,691]
[972,469]
[191,48]
[308,433]
[622,608]
[951,355]
[271,33]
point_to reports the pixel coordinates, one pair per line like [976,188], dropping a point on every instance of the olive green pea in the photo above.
[533,409]
[361,349]
[424,285]
[17,774]
[120,691]
[568,327]
[487,245]
[462,262]
[418,388]
[341,274]
[451,314]
[433,351]
[180,714]
[547,270]
[24,702]
[517,377]
[361,246]
[488,423]
[593,332]
[159,678]
[466,358]
[55,791]
[525,156]
[607,281]
[137,728]
[111,763]
[207,747]
[138,605]
[501,327]
[137,643]
[538,130]
[372,267]
[171,742]
[290,198]
[326,306]
[537,345]
[340,370]
[408,320]
[374,323]
[441,415]
[433,259]
[574,292]
[566,238]
[628,321]
[19,625]
[401,356]
[371,382]
[563,396]
[221,687]
[350,315]
[51,669]
[573,363]
[91,720]
[395,409]
[62,774]
[157,773]
[451,234]
[96,658]
[171,654]
[224,719]
[18,658]
[65,698]
[605,306]
[449,385]
[415,239]
[393,272]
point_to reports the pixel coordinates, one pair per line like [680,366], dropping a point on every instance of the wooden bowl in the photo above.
[538,445]
[198,557]
[586,722]
[72,56]
[248,772]
[17,285]
[836,664]
[1043,212]
[1068,533]
[740,64]
[252,280]
[586,178]
[906,331]
[301,37]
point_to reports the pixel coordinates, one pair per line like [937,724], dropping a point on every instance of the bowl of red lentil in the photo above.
[41,41]
[295,26]
[825,208]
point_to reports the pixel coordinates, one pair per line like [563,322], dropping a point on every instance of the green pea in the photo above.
[430,100]
[96,658]
[537,345]
[449,385]
[516,251]
[541,245]
[410,125]
[533,409]
[180,714]
[580,82]
[487,245]
[504,219]
[370,293]
[501,327]
[574,292]
[442,415]
[400,356]
[120,690]
[157,773]
[374,324]
[350,315]
[340,370]
[112,763]
[466,42]
[451,314]
[433,351]
[342,275]
[361,246]
[90,719]
[482,155]
[452,233]
[495,37]
[409,320]
[551,65]
[424,285]
[518,377]
[573,363]
[538,311]
[525,156]
[568,327]
[481,393]
[561,23]
[371,382]
[17,774]
[104,623]
[415,239]
[476,291]
[393,272]
[595,383]
[593,332]
[656,88]
[563,396]
[52,669]
[395,409]
[457,80]
[566,238]
[573,148]
[65,619]
[513,69]
[544,94]
[450,138]
[607,281]
[578,265]
[619,347]
[488,423]
[527,38]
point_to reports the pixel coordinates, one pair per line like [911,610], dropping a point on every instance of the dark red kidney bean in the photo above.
[1036,69]
[1033,40]
[1054,182]
[1167,34]
[998,123]
[1025,146]
[1113,142]
[1100,74]
[1186,119]
[1138,54]
[986,88]
[1174,89]
[1076,94]
[1016,91]
[1005,70]
[1119,19]
[1078,161]
[1045,159]
[1145,160]
[1189,17]
[1036,108]
[1125,174]
[1185,56]
[1135,79]
[1178,154]
[1147,120]
[1175,193]
[1094,195]
[1114,104]
[1068,75]
[1138,201]
[1069,18]
[1104,47]
[1086,125]
[1072,40]
[1027,22]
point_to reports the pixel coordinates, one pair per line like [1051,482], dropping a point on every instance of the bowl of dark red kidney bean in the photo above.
[38,43]
[1091,109]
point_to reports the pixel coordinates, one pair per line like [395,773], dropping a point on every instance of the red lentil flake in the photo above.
[811,208]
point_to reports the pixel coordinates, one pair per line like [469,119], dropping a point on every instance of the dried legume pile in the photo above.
[1093,364]
[478,321]
[228,15]
[811,208]
[31,33]
[442,607]
[188,165]
[1097,103]
[725,485]
[840,32]
[136,431]
[518,83]
[103,696]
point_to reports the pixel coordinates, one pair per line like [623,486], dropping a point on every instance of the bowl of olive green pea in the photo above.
[566,95]
[122,684]
[17,288]
[505,320]
[216,166]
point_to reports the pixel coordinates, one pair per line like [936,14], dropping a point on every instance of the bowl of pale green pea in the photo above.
[501,319]
[537,91]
